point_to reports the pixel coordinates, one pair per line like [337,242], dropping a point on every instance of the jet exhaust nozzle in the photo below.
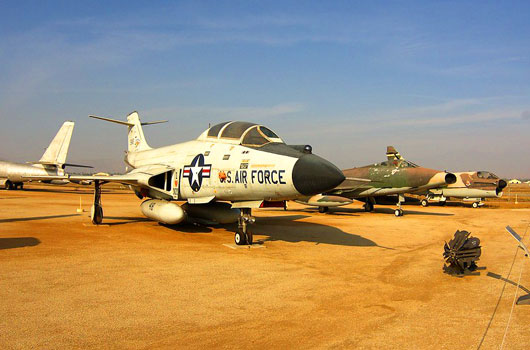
[313,175]
[450,178]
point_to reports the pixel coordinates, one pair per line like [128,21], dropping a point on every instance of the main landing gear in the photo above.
[399,212]
[323,210]
[368,206]
[243,236]
[14,186]
[96,212]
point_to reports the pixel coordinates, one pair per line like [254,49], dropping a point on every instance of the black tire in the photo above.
[475,205]
[368,207]
[424,203]
[240,238]
[9,185]
[398,212]
[21,185]
[323,210]
[443,203]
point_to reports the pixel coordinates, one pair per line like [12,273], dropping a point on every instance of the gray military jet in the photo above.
[230,169]
[51,165]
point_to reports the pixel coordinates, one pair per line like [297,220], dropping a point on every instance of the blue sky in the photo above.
[446,83]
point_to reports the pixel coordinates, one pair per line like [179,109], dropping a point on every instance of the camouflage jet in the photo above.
[396,176]
[471,186]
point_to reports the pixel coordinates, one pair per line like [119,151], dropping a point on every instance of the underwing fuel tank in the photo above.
[163,211]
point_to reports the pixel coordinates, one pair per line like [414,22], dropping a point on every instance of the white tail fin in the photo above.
[135,136]
[58,149]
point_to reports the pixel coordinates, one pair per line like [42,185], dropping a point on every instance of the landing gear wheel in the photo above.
[368,207]
[96,214]
[9,185]
[475,205]
[240,238]
[443,203]
[21,186]
[242,235]
[323,209]
[424,202]
[398,212]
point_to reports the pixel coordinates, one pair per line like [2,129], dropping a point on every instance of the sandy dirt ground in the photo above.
[345,279]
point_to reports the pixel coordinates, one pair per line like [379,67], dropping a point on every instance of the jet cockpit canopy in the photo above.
[486,175]
[242,133]
[399,163]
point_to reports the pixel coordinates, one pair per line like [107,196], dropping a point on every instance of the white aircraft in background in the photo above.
[243,163]
[51,164]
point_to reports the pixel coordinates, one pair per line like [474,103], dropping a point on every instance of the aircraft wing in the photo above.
[362,188]
[124,179]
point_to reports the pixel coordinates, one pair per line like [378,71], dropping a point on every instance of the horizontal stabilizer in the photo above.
[65,164]
[155,122]
[111,120]
[78,165]
[126,123]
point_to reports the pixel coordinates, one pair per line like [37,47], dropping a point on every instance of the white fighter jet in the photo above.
[51,165]
[230,169]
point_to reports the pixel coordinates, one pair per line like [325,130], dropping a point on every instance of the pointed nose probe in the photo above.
[313,175]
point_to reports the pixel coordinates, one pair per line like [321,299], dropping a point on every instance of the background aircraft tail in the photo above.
[393,154]
[58,149]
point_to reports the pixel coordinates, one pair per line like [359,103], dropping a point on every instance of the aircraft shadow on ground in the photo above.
[379,210]
[124,220]
[278,228]
[281,228]
[18,242]
[193,228]
[499,277]
[31,218]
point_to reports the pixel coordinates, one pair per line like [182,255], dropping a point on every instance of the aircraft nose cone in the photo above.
[314,175]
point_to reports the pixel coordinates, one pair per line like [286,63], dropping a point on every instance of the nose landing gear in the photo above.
[399,212]
[243,236]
